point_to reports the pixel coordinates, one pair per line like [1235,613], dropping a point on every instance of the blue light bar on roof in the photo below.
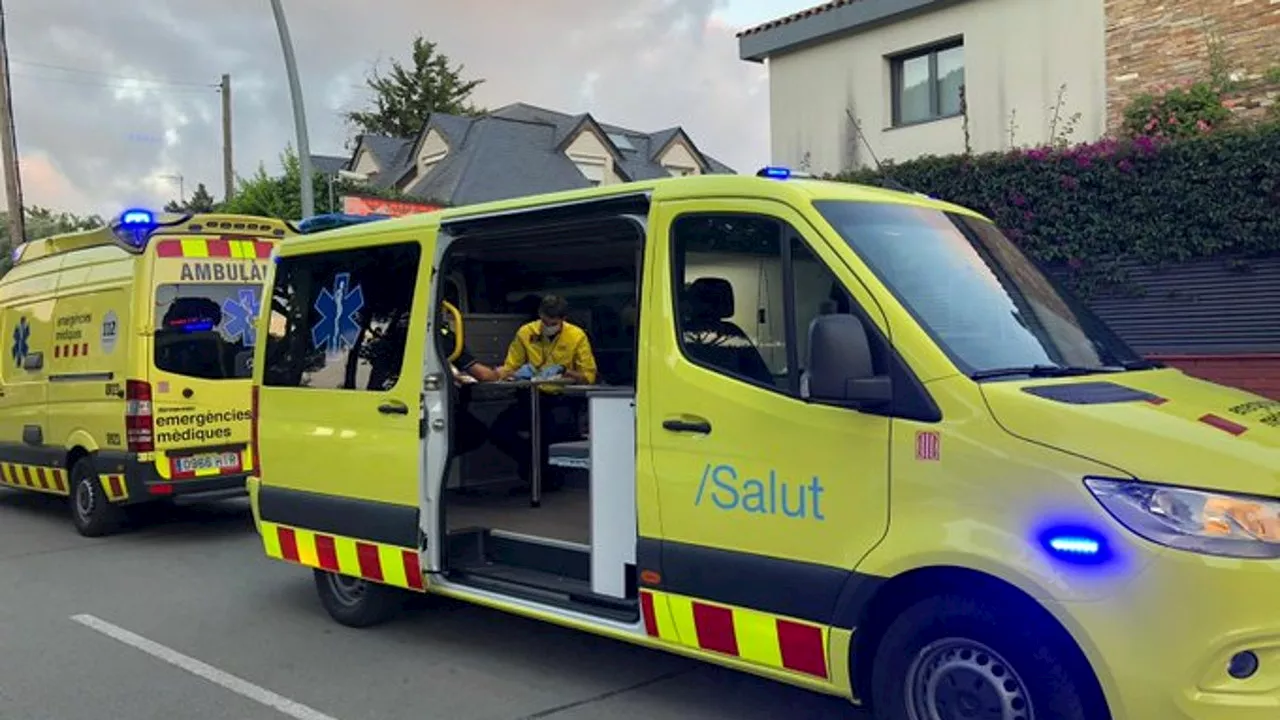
[329,221]
[777,172]
[136,218]
[134,228]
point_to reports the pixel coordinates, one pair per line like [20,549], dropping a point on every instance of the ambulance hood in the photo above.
[1158,425]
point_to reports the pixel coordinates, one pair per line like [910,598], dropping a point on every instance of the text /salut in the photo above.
[727,489]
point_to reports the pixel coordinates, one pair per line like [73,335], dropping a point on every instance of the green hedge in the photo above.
[1087,209]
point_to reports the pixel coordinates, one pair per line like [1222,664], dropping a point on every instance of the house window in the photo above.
[678,171]
[593,171]
[926,84]
[428,162]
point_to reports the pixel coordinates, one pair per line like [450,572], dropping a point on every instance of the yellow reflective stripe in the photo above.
[681,609]
[392,560]
[662,616]
[195,248]
[307,547]
[348,561]
[270,533]
[757,635]
[242,249]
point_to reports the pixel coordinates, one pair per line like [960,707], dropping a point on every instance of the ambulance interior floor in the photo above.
[565,514]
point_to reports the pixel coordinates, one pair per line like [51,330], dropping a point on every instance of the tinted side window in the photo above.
[729,295]
[339,320]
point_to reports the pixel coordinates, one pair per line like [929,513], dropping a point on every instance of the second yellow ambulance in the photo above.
[129,349]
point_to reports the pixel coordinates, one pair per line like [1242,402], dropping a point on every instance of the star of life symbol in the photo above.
[21,336]
[239,316]
[337,328]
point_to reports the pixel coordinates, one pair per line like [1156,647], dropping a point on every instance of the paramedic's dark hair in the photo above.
[554,307]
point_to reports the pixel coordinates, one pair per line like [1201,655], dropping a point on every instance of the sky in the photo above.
[114,101]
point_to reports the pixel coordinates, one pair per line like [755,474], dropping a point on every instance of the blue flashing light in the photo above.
[330,221]
[776,173]
[1076,545]
[137,218]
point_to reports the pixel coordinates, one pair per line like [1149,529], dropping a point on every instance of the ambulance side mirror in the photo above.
[840,366]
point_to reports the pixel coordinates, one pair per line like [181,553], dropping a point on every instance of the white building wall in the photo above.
[1017,55]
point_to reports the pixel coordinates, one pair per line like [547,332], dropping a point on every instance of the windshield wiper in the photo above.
[1039,371]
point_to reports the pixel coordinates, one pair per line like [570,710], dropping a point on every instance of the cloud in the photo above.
[140,101]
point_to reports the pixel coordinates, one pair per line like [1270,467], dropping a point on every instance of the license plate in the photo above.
[207,461]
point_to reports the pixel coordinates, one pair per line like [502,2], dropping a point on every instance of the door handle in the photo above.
[693,426]
[395,407]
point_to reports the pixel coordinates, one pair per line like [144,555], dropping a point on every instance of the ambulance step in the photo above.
[537,586]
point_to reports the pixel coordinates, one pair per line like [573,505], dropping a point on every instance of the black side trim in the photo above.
[43,455]
[1089,393]
[806,591]
[363,519]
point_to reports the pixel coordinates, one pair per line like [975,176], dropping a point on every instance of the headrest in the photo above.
[711,298]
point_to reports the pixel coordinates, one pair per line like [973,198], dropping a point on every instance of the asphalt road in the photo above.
[183,617]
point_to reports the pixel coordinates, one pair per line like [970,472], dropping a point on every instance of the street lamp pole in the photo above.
[299,114]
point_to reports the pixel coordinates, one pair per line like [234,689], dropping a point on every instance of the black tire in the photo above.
[91,513]
[357,603]
[977,657]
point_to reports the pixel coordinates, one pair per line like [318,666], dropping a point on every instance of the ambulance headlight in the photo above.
[1212,523]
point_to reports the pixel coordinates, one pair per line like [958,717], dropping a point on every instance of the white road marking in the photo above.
[236,685]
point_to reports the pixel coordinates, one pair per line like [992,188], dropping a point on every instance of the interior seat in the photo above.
[712,338]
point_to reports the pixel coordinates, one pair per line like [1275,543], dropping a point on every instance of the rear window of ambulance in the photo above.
[206,330]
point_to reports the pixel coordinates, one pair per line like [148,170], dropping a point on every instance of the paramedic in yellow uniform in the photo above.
[548,348]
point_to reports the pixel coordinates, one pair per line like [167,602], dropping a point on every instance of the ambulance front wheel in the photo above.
[357,603]
[954,658]
[91,512]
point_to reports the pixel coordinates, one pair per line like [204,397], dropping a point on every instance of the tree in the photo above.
[41,223]
[281,197]
[405,97]
[201,202]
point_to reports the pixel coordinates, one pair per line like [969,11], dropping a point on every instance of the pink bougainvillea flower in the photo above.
[1203,125]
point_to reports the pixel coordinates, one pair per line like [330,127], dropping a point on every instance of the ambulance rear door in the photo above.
[206,294]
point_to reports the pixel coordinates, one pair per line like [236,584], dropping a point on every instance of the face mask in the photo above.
[550,332]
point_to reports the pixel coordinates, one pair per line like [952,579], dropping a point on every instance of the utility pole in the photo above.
[299,114]
[228,173]
[9,145]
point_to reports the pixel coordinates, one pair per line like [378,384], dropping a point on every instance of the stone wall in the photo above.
[1154,44]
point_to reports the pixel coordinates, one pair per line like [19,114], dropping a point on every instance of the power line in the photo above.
[132,84]
[96,73]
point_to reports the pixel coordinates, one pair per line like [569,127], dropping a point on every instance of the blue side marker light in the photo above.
[1068,545]
[1076,545]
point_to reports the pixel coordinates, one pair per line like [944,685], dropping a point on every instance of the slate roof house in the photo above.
[517,150]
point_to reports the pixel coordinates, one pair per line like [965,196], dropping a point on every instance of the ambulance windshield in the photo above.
[206,330]
[985,303]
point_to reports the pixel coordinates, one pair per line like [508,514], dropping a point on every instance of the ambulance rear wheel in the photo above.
[357,603]
[91,513]
[953,658]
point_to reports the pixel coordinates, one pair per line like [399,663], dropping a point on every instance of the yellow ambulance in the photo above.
[843,437]
[126,379]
